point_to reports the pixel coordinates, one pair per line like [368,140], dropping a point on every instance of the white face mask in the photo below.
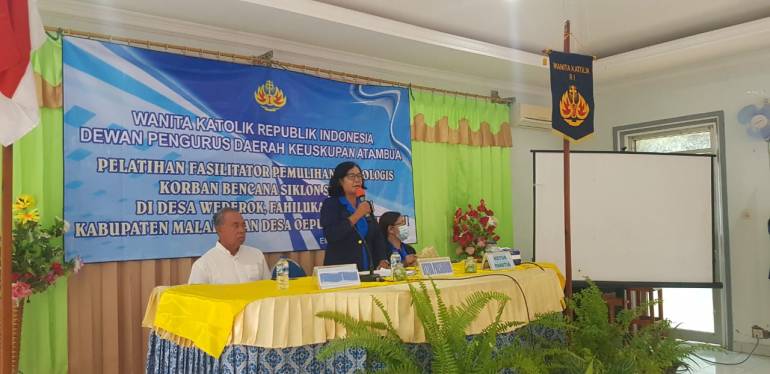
[403,232]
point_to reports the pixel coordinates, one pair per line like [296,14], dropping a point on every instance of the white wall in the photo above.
[524,141]
[720,85]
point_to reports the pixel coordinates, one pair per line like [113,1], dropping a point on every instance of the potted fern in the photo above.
[445,331]
[596,345]
[553,343]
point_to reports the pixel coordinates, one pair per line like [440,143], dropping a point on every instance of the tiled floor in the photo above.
[755,365]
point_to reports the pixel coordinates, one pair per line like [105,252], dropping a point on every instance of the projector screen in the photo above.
[637,218]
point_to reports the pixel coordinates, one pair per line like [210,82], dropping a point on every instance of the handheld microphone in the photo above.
[361,198]
[371,277]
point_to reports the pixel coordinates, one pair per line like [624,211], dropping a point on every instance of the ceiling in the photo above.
[600,27]
[495,40]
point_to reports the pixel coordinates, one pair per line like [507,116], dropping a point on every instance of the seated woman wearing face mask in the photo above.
[393,226]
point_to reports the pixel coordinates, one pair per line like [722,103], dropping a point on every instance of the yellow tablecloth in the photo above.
[259,314]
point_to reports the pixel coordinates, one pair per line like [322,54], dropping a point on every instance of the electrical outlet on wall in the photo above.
[759,333]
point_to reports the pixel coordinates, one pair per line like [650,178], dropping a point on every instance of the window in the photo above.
[703,314]
[696,140]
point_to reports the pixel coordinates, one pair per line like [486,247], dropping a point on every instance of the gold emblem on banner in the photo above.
[270,97]
[573,107]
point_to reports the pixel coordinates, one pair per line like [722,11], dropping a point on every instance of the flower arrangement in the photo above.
[38,253]
[472,230]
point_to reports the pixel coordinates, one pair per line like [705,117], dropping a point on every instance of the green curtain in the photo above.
[37,171]
[448,176]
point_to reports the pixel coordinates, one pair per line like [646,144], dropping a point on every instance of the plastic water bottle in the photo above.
[396,267]
[395,258]
[282,273]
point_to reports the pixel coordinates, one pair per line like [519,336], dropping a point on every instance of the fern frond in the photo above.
[388,322]
[465,314]
[400,370]
[444,360]
[389,352]
[424,310]
[484,344]
[444,356]
[470,308]
[351,324]
[521,359]
[443,311]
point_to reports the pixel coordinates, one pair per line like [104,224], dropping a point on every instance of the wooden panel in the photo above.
[106,306]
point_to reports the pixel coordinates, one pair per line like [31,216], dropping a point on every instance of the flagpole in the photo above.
[567,223]
[5,258]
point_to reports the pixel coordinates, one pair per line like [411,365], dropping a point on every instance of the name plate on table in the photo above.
[435,266]
[336,276]
[501,260]
[515,255]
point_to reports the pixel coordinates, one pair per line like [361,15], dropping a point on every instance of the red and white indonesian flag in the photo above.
[21,32]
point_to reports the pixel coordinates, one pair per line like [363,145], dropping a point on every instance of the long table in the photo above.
[207,320]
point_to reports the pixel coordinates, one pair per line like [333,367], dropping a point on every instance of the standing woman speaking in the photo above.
[348,223]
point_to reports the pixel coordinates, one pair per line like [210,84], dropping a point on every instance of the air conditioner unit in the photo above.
[534,117]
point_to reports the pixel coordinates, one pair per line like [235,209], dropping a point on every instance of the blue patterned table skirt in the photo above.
[164,356]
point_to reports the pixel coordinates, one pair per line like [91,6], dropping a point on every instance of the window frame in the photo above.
[624,139]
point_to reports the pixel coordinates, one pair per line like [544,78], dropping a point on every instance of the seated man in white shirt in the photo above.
[229,261]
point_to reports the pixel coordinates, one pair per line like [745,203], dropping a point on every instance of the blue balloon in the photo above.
[766,110]
[745,114]
[763,133]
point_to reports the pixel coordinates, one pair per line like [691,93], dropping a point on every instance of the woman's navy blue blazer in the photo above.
[342,239]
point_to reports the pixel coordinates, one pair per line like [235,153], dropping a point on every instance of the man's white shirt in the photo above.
[218,266]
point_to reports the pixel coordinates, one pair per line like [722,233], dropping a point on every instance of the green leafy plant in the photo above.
[38,254]
[586,343]
[445,330]
[387,349]
[596,345]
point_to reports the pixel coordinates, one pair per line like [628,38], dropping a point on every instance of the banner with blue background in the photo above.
[572,94]
[155,143]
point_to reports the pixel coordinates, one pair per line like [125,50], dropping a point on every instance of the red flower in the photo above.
[466,238]
[473,228]
[50,278]
[496,238]
[28,276]
[15,277]
[20,290]
[57,268]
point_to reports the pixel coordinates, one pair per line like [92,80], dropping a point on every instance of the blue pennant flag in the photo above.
[572,94]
